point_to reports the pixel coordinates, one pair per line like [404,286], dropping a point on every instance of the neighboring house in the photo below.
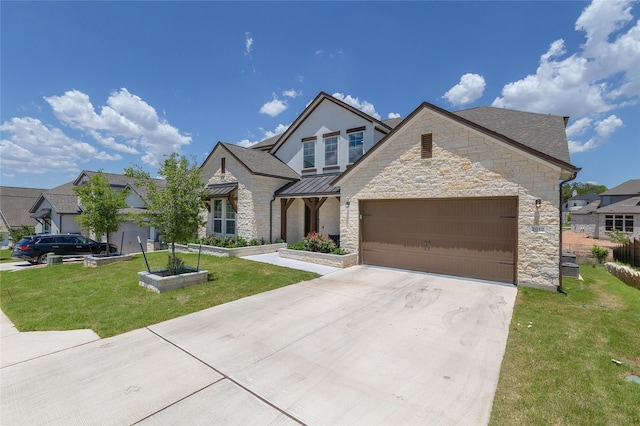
[576,203]
[55,211]
[615,209]
[15,203]
[474,193]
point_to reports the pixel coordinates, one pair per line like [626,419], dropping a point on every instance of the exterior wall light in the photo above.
[538,203]
[348,203]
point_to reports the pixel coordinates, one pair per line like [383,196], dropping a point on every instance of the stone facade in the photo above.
[465,164]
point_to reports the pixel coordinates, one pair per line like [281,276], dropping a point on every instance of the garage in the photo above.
[467,237]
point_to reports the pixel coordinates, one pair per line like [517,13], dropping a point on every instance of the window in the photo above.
[309,154]
[356,145]
[217,216]
[331,151]
[426,145]
[230,220]
[618,222]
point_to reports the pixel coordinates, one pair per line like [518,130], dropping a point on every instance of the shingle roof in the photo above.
[261,162]
[589,208]
[627,206]
[630,187]
[266,144]
[393,122]
[310,185]
[15,203]
[542,132]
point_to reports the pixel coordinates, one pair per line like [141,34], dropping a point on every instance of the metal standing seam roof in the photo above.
[310,186]
[221,189]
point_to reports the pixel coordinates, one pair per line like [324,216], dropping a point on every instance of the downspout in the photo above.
[271,218]
[560,289]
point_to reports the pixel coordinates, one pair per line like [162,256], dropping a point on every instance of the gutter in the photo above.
[271,218]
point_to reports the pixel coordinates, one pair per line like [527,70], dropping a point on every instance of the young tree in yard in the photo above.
[101,204]
[173,206]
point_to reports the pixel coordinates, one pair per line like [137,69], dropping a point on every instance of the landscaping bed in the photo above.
[335,260]
[95,261]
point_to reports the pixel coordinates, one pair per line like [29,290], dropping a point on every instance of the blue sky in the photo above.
[103,85]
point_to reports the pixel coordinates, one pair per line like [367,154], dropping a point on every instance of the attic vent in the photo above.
[426,145]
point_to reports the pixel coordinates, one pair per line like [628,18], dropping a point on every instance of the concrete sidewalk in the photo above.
[359,346]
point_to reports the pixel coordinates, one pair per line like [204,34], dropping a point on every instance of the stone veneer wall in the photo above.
[465,164]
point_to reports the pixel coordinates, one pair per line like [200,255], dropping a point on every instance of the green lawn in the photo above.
[5,256]
[109,300]
[560,369]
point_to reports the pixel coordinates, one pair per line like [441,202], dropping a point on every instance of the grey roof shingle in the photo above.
[627,206]
[310,185]
[261,162]
[15,203]
[542,132]
[630,187]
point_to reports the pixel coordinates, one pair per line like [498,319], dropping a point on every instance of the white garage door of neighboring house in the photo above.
[469,237]
[131,233]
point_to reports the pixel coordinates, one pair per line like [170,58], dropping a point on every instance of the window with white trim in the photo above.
[223,218]
[331,151]
[308,154]
[618,222]
[356,146]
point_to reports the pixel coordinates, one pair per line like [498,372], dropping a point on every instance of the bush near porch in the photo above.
[318,243]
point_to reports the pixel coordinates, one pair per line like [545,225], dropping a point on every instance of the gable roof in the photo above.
[15,203]
[630,187]
[121,181]
[257,162]
[627,206]
[322,97]
[527,132]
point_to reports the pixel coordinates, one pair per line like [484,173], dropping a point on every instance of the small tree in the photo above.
[173,206]
[16,234]
[618,237]
[101,204]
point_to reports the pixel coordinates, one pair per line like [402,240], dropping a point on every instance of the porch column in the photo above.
[284,206]
[314,205]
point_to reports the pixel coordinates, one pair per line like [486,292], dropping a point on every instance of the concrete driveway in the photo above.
[363,345]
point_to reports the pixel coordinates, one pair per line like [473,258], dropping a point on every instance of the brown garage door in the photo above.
[471,237]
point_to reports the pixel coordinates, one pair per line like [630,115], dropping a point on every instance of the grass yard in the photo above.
[109,300]
[558,366]
[5,256]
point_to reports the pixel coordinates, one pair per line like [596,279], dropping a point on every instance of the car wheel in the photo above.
[43,257]
[103,253]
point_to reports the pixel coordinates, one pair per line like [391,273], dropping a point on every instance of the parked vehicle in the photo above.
[35,248]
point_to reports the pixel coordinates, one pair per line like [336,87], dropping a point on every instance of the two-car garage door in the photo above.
[470,237]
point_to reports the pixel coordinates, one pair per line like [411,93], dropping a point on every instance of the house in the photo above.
[55,211]
[615,209]
[474,193]
[15,203]
[576,202]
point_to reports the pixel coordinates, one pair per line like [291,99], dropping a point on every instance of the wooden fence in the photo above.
[628,253]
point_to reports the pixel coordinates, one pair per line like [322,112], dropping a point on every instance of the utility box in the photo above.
[570,270]
[568,258]
[54,259]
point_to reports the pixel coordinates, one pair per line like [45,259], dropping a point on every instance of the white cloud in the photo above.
[33,147]
[469,89]
[601,76]
[280,128]
[603,130]
[364,106]
[274,107]
[394,115]
[126,124]
[291,93]
[248,43]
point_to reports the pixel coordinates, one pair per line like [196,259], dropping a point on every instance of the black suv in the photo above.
[35,248]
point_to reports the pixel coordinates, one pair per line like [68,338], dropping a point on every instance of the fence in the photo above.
[628,253]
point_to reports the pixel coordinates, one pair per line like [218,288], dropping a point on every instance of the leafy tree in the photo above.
[618,237]
[580,189]
[174,204]
[101,204]
[16,234]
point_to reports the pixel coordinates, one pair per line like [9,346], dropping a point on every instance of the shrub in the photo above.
[256,242]
[599,253]
[174,264]
[297,246]
[318,242]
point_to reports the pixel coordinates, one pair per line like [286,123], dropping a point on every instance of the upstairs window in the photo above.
[331,151]
[356,144]
[309,153]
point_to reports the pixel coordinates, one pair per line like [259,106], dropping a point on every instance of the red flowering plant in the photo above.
[318,242]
